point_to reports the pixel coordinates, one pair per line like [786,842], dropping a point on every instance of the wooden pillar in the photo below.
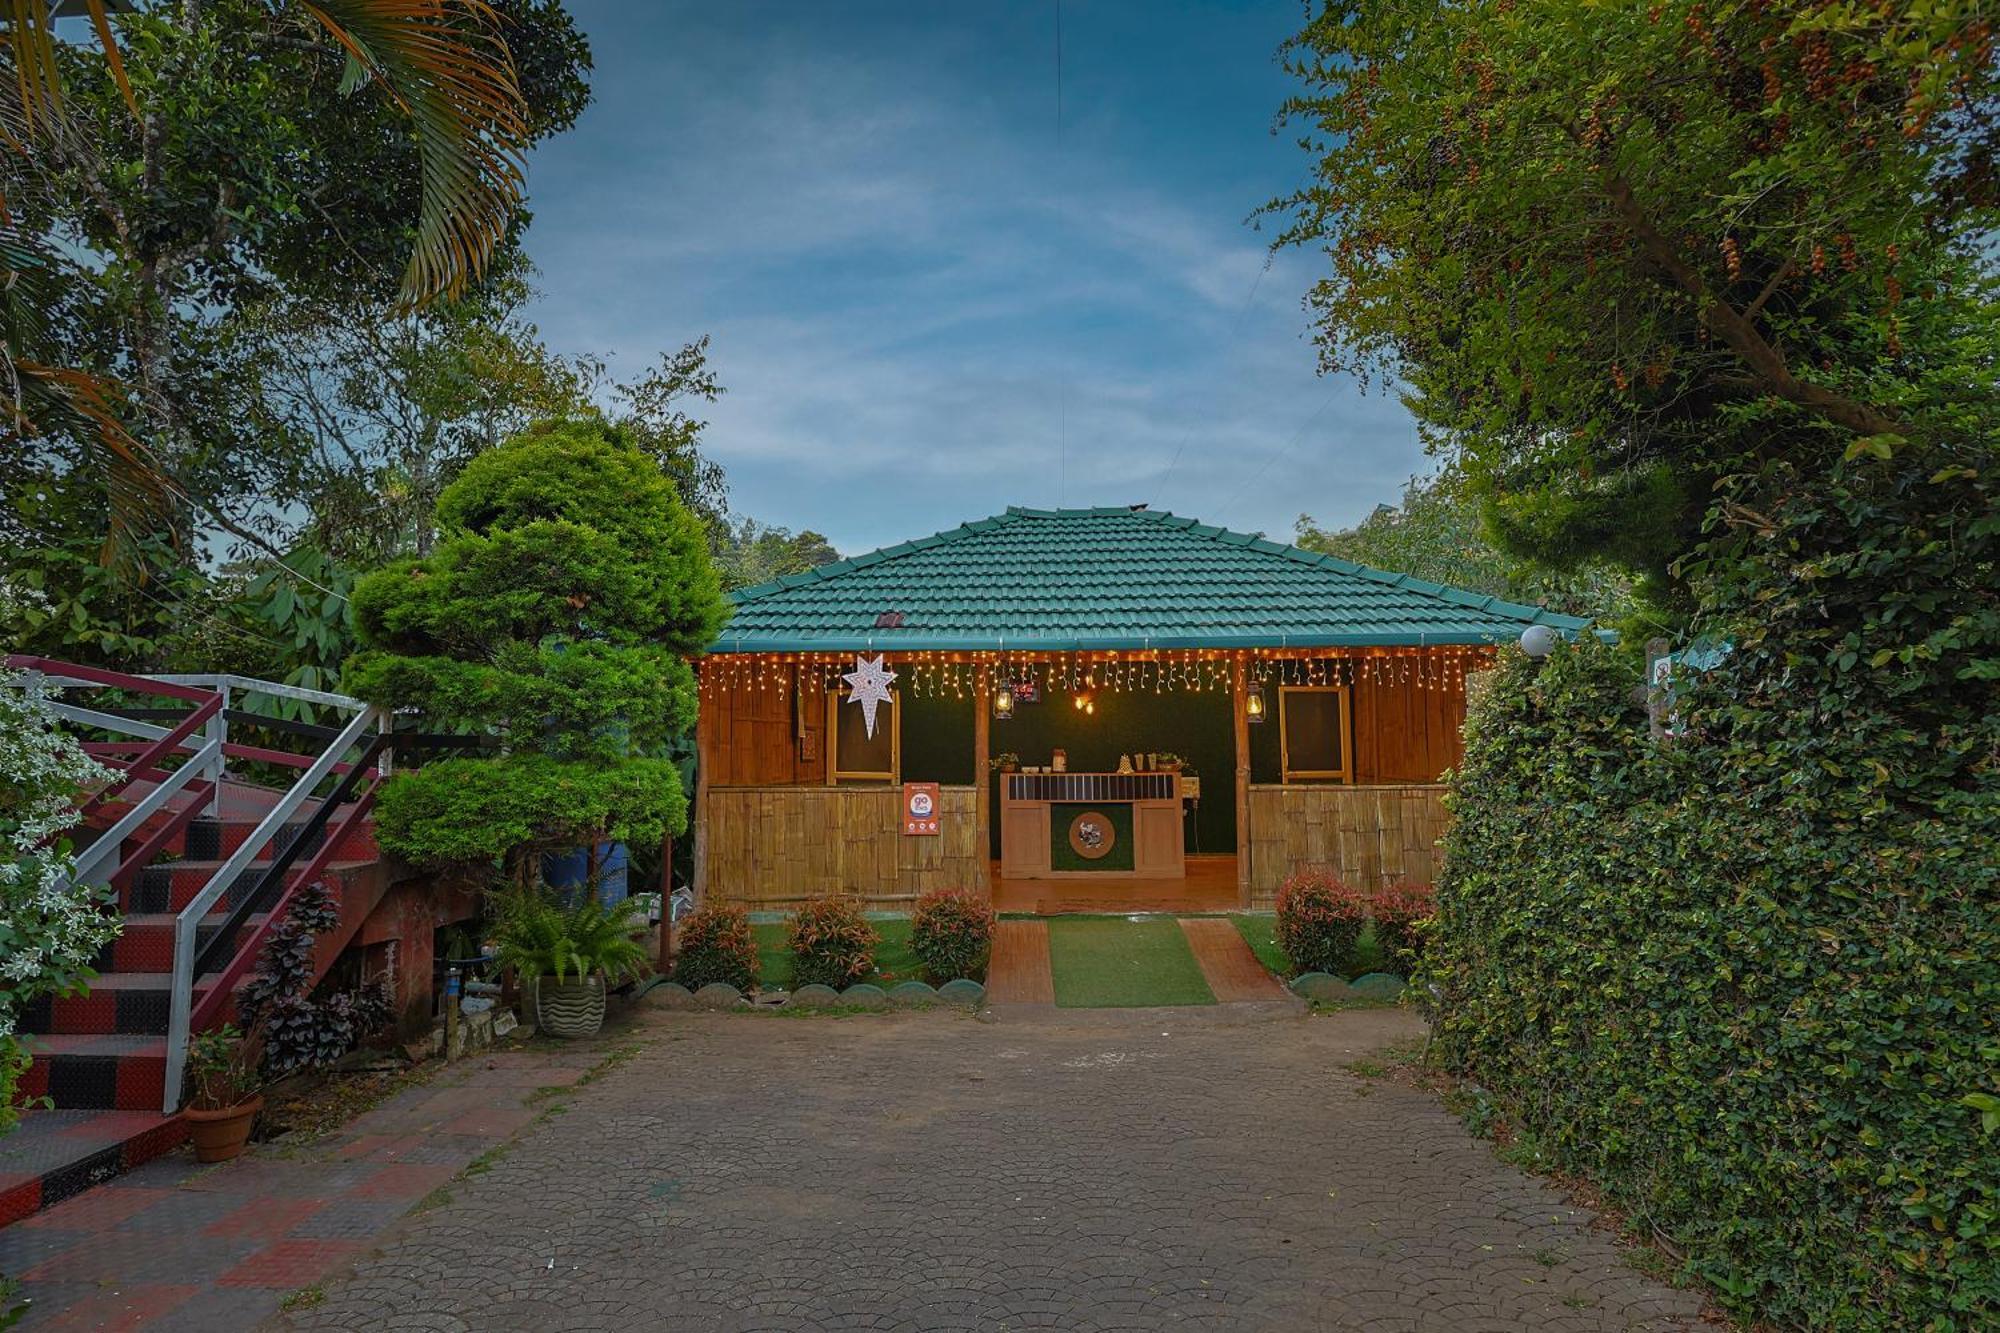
[982,777]
[1241,720]
[704,742]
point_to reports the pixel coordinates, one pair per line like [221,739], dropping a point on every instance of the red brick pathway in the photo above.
[173,1245]
[1233,972]
[1019,972]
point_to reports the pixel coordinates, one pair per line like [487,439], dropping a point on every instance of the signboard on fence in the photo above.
[920,809]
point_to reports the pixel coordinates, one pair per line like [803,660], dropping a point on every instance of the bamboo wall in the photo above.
[771,848]
[1369,836]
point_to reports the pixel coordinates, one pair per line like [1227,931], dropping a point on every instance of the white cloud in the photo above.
[922,315]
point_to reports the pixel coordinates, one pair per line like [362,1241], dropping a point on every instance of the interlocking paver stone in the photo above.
[927,1172]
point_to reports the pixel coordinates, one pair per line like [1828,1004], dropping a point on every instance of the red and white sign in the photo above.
[920,809]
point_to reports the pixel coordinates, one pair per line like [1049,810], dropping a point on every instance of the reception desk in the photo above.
[1091,825]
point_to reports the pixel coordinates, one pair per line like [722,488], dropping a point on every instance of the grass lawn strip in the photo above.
[1114,963]
[894,962]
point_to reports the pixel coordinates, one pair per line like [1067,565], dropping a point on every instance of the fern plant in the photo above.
[538,936]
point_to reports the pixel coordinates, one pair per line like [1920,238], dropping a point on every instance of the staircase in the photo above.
[202,864]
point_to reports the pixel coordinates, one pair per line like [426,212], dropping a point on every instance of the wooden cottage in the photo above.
[1083,709]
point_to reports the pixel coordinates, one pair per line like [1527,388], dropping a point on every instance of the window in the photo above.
[852,755]
[1312,729]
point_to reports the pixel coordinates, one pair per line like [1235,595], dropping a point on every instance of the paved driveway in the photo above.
[1115,1170]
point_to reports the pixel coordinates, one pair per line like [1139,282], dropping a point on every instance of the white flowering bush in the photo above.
[50,929]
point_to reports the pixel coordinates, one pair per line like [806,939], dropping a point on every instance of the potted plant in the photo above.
[1004,762]
[223,1100]
[1169,762]
[567,956]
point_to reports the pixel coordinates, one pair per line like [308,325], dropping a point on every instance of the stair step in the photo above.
[147,942]
[203,837]
[211,839]
[121,1003]
[169,886]
[53,1155]
[96,1072]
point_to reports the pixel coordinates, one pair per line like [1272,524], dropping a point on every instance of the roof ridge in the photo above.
[1439,592]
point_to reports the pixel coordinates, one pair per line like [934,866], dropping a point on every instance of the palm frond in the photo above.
[446,63]
[31,46]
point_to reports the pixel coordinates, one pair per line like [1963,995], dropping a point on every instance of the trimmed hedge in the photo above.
[952,934]
[715,944]
[1746,981]
[1320,919]
[832,944]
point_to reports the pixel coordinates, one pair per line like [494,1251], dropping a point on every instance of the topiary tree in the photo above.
[568,585]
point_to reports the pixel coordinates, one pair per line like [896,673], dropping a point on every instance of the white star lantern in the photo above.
[869,685]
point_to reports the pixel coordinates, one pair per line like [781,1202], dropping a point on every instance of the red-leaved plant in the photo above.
[715,944]
[832,943]
[952,935]
[1403,914]
[1320,919]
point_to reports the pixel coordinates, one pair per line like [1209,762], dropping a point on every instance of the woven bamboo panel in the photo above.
[1369,836]
[771,848]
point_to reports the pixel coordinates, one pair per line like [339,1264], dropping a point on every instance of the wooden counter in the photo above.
[1091,806]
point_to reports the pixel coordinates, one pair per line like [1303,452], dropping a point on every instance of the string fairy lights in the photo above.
[946,674]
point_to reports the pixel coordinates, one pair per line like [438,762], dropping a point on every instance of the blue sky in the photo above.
[923,306]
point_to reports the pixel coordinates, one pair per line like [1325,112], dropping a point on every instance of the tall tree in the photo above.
[384,413]
[1438,534]
[1624,254]
[749,552]
[556,614]
[199,158]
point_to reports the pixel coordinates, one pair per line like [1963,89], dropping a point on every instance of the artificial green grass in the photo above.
[1260,931]
[894,961]
[1112,963]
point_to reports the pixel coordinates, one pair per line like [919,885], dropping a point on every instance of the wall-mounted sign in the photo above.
[920,809]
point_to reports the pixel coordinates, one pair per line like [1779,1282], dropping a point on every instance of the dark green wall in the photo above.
[1194,726]
[937,745]
[937,740]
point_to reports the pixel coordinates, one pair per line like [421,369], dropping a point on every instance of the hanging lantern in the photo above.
[1253,702]
[1003,701]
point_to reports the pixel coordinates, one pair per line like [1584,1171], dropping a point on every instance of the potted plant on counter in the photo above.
[1004,762]
[223,1093]
[567,956]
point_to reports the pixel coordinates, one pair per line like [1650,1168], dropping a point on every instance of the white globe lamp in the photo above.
[1538,641]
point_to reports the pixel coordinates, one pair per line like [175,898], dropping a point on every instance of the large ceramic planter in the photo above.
[570,1008]
[219,1136]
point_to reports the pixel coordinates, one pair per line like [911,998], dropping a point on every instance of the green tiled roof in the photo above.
[1082,579]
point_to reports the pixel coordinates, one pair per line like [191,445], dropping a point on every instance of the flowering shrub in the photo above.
[715,944]
[1319,922]
[1403,914]
[952,933]
[832,943]
[50,929]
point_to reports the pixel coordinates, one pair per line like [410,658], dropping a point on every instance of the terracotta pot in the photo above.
[220,1135]
[570,1008]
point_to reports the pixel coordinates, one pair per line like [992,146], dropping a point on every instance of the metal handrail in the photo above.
[280,865]
[241,955]
[187,924]
[211,696]
[112,839]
